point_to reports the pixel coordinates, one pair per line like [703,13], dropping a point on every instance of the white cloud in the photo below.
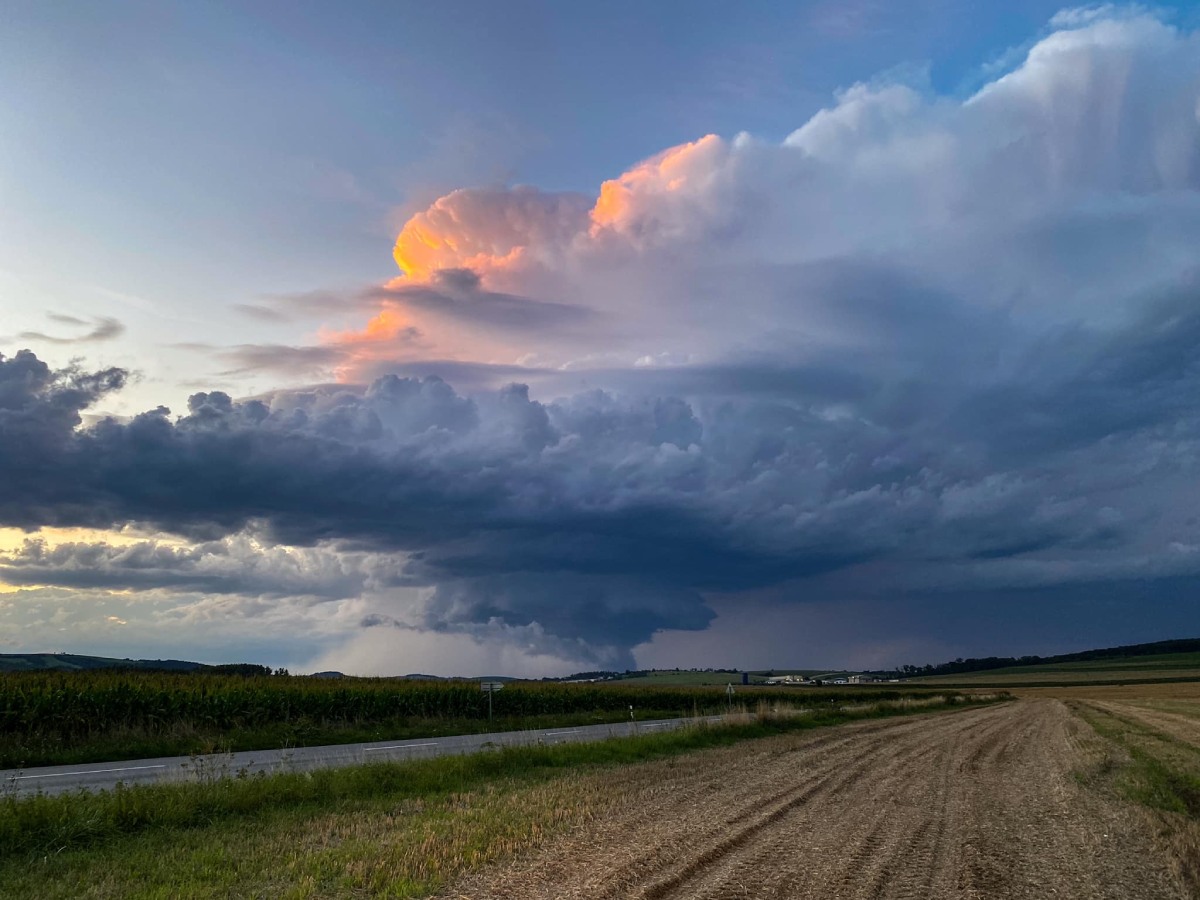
[1053,195]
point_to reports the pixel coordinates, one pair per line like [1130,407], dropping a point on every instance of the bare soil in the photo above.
[983,803]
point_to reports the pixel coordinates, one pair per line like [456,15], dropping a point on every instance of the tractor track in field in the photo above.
[981,803]
[1185,729]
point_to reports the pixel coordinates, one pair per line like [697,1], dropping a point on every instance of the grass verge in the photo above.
[395,829]
[1160,772]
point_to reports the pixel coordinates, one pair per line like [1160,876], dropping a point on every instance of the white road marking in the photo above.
[399,747]
[655,725]
[89,772]
[552,733]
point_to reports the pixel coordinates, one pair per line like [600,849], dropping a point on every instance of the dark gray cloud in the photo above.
[237,565]
[454,294]
[104,328]
[305,362]
[261,312]
[279,359]
[290,307]
[1081,385]
[65,319]
[603,517]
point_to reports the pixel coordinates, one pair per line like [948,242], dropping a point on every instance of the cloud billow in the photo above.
[949,339]
[597,518]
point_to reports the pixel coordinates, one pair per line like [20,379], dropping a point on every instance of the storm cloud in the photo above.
[599,517]
[925,350]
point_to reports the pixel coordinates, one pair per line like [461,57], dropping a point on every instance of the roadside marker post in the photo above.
[729,696]
[489,688]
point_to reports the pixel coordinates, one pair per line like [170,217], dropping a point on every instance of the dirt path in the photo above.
[975,804]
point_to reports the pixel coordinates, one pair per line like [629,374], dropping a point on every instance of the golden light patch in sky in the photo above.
[12,539]
[416,245]
[493,232]
[389,335]
[388,326]
[420,256]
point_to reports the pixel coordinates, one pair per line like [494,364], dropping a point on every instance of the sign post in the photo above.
[729,695]
[489,688]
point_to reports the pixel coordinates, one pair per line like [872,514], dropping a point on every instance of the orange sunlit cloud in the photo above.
[439,237]
[622,200]
[388,335]
[387,326]
[394,335]
[504,235]
[495,232]
[488,231]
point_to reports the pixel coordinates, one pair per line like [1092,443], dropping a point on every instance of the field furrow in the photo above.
[976,804]
[1179,727]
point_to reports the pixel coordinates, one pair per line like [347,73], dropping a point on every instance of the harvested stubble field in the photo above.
[1031,799]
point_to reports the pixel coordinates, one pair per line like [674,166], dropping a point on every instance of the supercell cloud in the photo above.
[925,347]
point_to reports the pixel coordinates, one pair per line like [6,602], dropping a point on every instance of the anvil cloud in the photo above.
[923,346]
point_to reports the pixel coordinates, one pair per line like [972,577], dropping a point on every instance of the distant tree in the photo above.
[247,669]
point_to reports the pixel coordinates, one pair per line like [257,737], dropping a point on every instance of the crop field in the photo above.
[67,717]
[1156,668]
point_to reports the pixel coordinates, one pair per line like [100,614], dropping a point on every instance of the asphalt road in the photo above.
[103,776]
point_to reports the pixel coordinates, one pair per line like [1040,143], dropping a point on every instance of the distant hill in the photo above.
[1171,653]
[70,662]
[1107,654]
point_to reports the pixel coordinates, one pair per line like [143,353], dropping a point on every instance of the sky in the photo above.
[531,338]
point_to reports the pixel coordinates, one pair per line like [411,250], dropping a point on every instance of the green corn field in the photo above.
[42,713]
[78,704]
